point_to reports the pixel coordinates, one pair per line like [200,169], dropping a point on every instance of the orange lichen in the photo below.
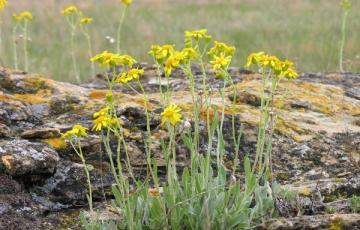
[98,94]
[57,143]
[30,98]
[7,161]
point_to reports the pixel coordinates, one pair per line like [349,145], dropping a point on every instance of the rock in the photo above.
[41,133]
[321,222]
[21,157]
[69,184]
[4,131]
[246,98]
[315,150]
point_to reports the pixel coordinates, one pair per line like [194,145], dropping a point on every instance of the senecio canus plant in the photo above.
[21,21]
[203,195]
[73,18]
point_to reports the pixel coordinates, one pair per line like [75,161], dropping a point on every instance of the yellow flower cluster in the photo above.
[346,4]
[26,15]
[280,68]
[86,20]
[70,10]
[170,57]
[197,34]
[102,119]
[221,48]
[171,114]
[179,57]
[111,59]
[221,55]
[2,4]
[77,130]
[130,75]
[161,52]
[126,2]
[220,62]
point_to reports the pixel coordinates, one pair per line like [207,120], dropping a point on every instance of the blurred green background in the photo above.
[305,31]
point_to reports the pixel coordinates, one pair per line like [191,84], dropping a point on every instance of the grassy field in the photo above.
[306,31]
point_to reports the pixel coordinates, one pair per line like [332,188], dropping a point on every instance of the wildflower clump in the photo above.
[22,19]
[171,114]
[79,131]
[73,17]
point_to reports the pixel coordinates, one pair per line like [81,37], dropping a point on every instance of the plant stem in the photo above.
[15,47]
[77,76]
[342,44]
[85,31]
[118,48]
[82,158]
[25,39]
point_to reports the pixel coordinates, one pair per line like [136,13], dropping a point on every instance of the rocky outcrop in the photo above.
[316,143]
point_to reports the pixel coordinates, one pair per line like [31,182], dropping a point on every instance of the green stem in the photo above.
[73,57]
[82,158]
[15,47]
[25,39]
[118,48]
[90,53]
[342,44]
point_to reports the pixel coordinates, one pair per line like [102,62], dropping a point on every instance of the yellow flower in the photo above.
[77,130]
[220,62]
[26,15]
[70,10]
[2,4]
[100,123]
[86,20]
[289,74]
[126,2]
[197,34]
[189,53]
[127,60]
[131,75]
[103,119]
[346,4]
[171,114]
[102,112]
[107,59]
[287,64]
[161,52]
[254,58]
[221,47]
[173,62]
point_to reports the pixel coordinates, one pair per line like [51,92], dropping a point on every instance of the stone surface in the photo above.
[316,147]
[321,222]
[21,158]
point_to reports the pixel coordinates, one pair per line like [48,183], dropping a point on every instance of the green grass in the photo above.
[306,31]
